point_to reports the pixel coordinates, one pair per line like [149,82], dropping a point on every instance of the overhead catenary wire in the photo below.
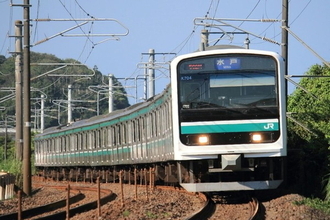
[10,22]
[88,38]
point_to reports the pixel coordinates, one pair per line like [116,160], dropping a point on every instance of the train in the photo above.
[220,125]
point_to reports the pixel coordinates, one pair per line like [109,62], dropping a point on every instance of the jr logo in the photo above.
[269,126]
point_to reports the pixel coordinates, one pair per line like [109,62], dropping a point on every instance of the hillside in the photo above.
[89,90]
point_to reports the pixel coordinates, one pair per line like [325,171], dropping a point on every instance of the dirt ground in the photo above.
[165,205]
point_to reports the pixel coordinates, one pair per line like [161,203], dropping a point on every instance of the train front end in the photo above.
[229,121]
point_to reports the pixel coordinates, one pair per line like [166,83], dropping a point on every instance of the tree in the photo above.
[2,59]
[312,110]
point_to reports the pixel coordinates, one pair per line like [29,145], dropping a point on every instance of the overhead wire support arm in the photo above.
[235,19]
[201,22]
[289,115]
[85,21]
[301,87]
[61,65]
[59,34]
[308,47]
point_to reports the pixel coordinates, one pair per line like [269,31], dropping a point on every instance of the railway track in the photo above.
[235,206]
[254,207]
[78,205]
[206,211]
[59,209]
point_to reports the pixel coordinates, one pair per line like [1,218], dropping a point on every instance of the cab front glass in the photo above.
[224,88]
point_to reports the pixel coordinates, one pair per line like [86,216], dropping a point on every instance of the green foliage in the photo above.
[315,203]
[126,213]
[12,166]
[2,59]
[326,183]
[312,110]
[10,163]
[15,167]
[151,215]
[9,144]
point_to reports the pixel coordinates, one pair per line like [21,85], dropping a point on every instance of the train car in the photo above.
[219,126]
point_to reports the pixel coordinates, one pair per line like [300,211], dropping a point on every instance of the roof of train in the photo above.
[109,116]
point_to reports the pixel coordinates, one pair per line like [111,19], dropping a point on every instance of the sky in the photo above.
[167,26]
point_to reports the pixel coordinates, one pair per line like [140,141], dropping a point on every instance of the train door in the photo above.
[79,142]
[88,148]
[58,149]
[143,133]
[103,144]
[67,143]
[91,147]
[119,144]
[109,145]
[114,144]
[99,146]
[124,144]
[74,148]
[136,140]
[95,147]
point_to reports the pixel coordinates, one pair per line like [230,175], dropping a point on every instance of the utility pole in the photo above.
[151,75]
[6,144]
[145,86]
[26,102]
[150,68]
[204,39]
[285,18]
[42,114]
[69,104]
[110,93]
[18,91]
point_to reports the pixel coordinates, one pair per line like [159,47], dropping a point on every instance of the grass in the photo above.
[126,213]
[316,203]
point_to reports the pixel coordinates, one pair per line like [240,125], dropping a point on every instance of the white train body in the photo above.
[219,126]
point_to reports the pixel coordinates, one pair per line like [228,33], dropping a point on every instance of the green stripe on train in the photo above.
[224,128]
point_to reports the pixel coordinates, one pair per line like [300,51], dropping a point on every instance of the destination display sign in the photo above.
[230,63]
[194,66]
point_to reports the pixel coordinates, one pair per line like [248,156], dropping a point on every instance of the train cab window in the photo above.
[228,87]
[191,92]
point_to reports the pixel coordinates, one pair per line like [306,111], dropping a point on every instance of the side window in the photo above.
[114,136]
[124,133]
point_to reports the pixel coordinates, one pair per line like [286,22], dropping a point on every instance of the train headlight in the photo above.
[203,139]
[198,139]
[256,138]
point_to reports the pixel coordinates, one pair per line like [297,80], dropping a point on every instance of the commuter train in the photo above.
[220,125]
